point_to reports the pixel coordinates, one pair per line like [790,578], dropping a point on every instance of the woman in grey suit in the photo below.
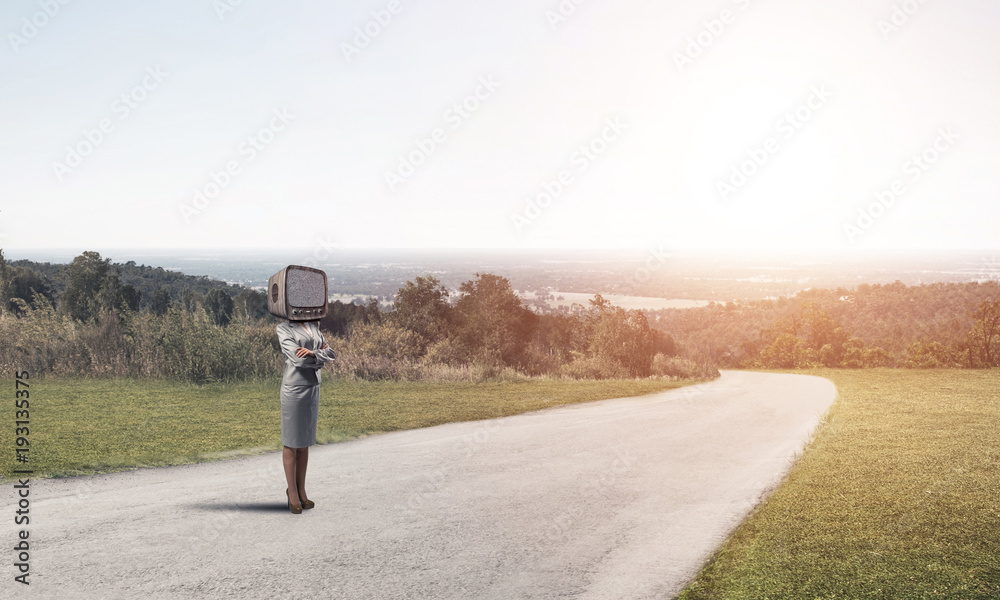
[305,353]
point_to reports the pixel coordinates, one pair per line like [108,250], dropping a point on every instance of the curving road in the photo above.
[615,499]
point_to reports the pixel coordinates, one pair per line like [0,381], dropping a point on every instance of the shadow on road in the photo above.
[256,506]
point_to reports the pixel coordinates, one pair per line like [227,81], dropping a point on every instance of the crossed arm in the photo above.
[302,357]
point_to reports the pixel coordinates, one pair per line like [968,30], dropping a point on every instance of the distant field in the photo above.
[81,426]
[897,498]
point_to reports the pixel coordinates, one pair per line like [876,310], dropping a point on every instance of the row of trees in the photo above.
[488,324]
[936,325]
[90,320]
[99,324]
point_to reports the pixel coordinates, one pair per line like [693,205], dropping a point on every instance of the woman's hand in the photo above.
[324,346]
[302,352]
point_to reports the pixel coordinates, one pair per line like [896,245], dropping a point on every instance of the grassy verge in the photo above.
[83,426]
[897,498]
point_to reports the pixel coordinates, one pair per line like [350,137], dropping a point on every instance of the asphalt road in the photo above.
[615,499]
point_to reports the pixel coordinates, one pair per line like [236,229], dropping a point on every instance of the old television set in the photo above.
[297,293]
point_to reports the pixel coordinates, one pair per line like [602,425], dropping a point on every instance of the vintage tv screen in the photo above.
[297,293]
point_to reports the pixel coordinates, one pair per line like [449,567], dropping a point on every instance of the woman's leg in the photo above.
[301,461]
[288,459]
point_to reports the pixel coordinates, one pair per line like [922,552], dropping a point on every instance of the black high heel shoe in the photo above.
[295,508]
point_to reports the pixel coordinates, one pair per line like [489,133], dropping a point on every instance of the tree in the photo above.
[824,335]
[191,301]
[219,306]
[493,324]
[84,278]
[249,305]
[930,355]
[621,337]
[421,306]
[340,316]
[160,303]
[786,352]
[22,283]
[92,286]
[114,296]
[984,339]
[373,313]
[5,293]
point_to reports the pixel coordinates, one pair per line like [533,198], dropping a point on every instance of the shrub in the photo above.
[930,355]
[681,368]
[384,340]
[594,367]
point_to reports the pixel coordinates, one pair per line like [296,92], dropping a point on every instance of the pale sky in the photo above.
[331,134]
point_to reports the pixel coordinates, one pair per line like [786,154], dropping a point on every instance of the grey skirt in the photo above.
[299,415]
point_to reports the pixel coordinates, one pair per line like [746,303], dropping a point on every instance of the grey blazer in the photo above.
[304,370]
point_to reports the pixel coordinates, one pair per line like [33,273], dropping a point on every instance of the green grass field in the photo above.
[82,426]
[897,498]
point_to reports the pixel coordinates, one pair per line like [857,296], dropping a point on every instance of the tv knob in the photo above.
[295,312]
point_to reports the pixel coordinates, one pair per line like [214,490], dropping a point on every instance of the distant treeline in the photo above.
[86,319]
[925,326]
